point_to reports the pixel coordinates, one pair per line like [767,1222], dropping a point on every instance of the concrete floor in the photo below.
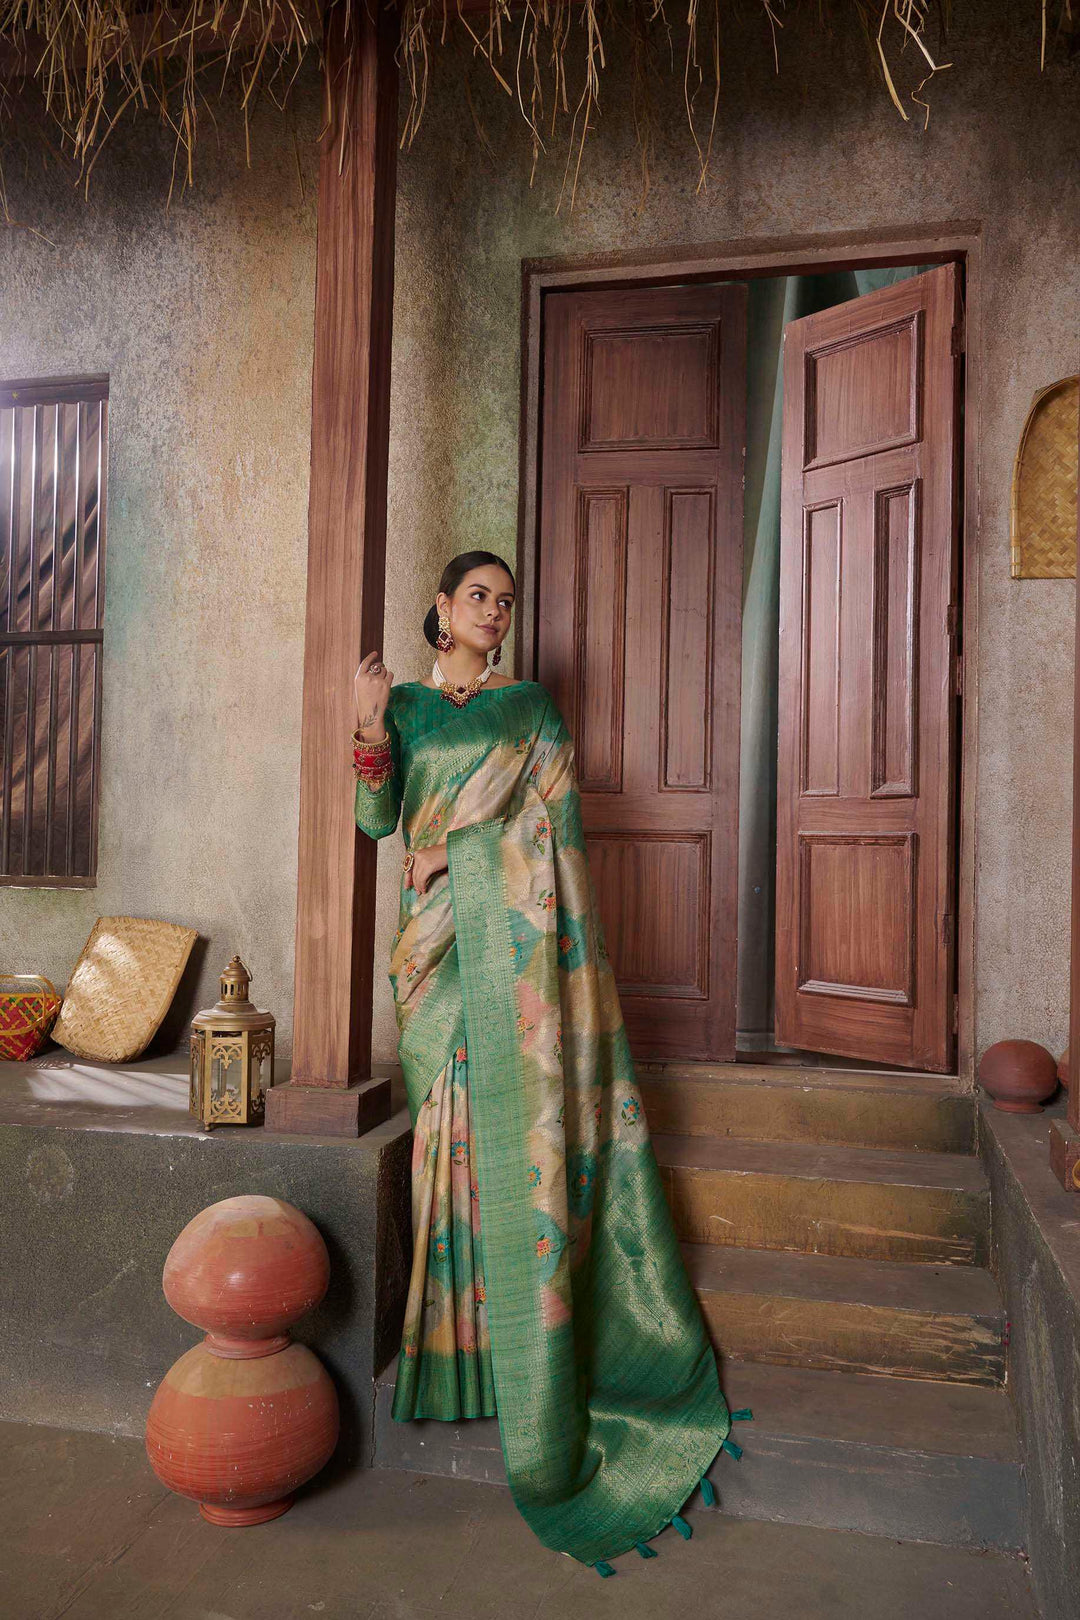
[88,1533]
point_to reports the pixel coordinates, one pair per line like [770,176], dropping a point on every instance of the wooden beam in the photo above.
[350,420]
[1074,972]
[1065,1135]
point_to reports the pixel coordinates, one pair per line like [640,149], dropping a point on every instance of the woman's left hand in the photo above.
[427,863]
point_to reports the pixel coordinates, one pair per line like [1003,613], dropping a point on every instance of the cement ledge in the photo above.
[148,1095]
[1035,1257]
[100,1168]
[1022,1141]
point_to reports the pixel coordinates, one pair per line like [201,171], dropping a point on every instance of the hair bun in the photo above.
[431,625]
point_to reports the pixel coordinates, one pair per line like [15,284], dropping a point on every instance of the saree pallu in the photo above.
[547,1282]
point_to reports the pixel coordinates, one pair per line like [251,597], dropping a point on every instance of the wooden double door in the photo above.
[639,640]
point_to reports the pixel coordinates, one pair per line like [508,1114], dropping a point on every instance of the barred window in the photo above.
[53,443]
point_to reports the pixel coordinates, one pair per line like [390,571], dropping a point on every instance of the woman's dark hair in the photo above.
[452,576]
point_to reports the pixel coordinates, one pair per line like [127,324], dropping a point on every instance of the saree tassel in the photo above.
[708,1491]
[604,1569]
[732,1449]
[743,1415]
[646,1551]
[681,1526]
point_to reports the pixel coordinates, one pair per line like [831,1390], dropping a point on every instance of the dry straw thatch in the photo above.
[96,62]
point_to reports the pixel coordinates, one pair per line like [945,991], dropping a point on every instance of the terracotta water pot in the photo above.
[246,1268]
[1018,1075]
[245,1417]
[239,1436]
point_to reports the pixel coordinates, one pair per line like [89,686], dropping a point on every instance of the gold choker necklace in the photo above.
[458,695]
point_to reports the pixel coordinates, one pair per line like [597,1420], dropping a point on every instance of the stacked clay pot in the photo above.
[1018,1075]
[245,1417]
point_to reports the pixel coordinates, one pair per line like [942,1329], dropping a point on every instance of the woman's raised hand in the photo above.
[372,684]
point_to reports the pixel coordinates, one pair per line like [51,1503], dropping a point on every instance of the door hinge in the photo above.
[946,928]
[955,1014]
[952,631]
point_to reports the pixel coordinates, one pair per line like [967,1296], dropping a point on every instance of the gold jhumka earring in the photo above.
[444,640]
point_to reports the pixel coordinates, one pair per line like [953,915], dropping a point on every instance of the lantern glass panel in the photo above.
[226,1077]
[262,1067]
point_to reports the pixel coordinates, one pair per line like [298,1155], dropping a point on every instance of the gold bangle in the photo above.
[407,863]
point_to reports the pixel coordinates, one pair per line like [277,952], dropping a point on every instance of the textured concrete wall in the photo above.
[85,1331]
[202,317]
[819,149]
[1035,1256]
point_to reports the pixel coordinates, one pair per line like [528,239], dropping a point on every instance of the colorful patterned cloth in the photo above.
[547,1281]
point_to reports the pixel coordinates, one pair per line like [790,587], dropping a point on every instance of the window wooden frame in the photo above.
[53,481]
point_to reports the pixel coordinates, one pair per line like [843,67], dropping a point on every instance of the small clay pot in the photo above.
[1063,1069]
[1018,1075]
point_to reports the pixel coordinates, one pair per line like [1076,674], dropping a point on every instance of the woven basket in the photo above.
[1043,518]
[122,987]
[28,1008]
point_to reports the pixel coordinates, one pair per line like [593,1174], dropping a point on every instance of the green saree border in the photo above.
[496,1100]
[559,1493]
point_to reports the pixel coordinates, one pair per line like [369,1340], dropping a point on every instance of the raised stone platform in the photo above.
[1035,1256]
[87,1532]
[895,1457]
[100,1168]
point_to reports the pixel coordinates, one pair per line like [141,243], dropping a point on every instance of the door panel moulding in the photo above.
[641,533]
[959,241]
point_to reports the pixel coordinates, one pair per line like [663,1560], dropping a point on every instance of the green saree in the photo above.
[547,1284]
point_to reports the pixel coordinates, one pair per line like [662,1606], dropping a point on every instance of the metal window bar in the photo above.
[53,461]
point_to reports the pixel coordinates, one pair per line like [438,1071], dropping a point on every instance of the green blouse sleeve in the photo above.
[377,812]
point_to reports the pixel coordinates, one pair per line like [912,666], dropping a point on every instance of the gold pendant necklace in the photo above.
[458,695]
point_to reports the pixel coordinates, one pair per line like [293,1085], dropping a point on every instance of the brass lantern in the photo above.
[232,1056]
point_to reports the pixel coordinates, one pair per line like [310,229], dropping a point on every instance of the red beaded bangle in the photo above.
[372,761]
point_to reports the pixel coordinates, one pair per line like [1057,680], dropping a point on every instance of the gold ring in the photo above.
[407,863]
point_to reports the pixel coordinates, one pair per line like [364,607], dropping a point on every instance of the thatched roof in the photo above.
[95,62]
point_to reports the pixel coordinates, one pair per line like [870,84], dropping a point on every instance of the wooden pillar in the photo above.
[330,1091]
[1065,1138]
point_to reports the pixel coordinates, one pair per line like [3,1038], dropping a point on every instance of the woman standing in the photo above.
[547,1283]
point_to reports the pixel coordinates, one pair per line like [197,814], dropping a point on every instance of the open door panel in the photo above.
[640,562]
[865,883]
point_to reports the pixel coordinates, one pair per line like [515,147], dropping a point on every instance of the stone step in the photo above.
[865,1316]
[906,1458]
[766,1103]
[864,1202]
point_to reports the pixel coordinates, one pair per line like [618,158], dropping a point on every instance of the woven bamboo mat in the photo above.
[1044,486]
[122,987]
